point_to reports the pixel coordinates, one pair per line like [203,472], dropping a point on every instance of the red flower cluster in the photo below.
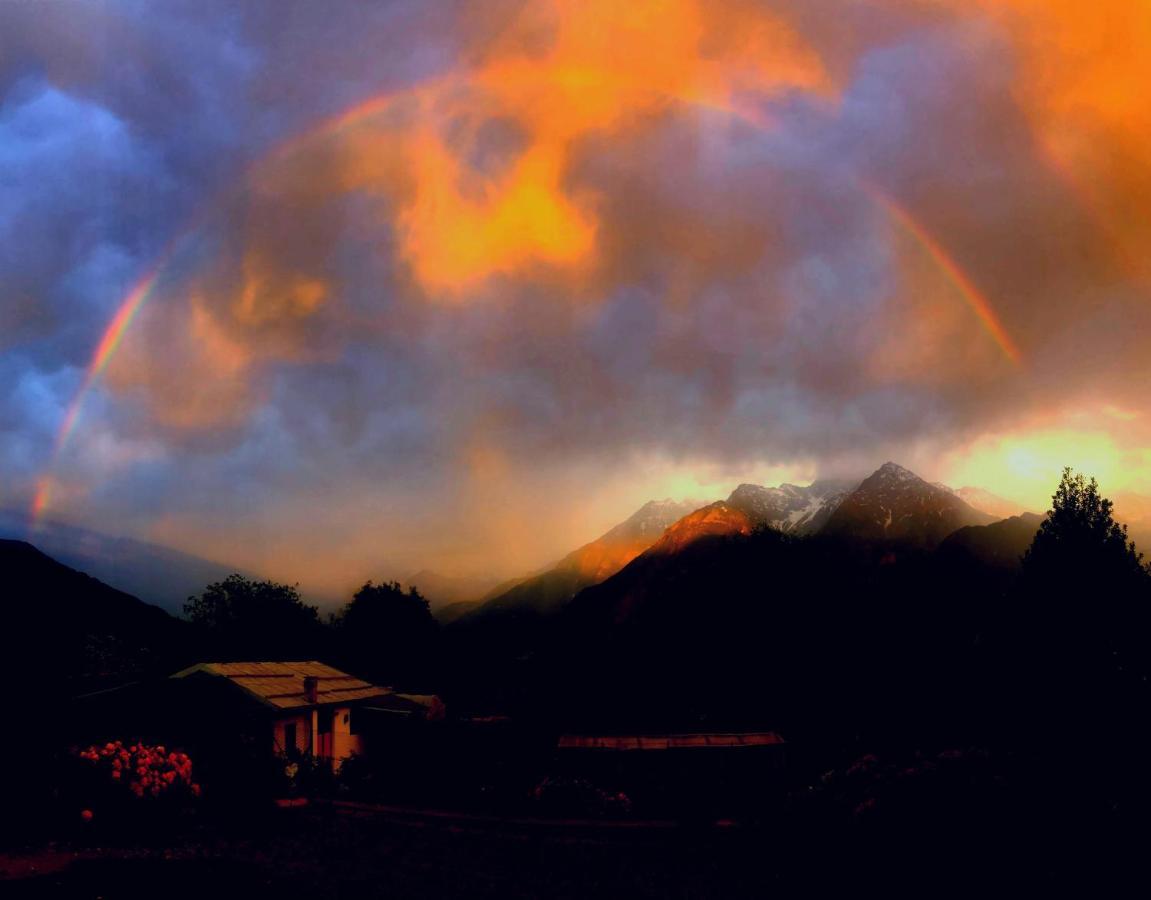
[146,771]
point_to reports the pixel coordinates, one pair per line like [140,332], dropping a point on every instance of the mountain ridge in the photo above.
[589,564]
[159,575]
[894,506]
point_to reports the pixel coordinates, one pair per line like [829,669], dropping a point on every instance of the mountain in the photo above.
[715,519]
[73,629]
[732,628]
[445,615]
[895,506]
[1000,545]
[591,563]
[892,505]
[790,508]
[158,575]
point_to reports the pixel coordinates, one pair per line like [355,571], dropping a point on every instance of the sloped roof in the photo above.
[668,741]
[281,684]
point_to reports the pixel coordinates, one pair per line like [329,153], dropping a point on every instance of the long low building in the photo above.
[690,741]
[681,774]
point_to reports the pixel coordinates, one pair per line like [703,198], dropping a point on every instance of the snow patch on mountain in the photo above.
[790,508]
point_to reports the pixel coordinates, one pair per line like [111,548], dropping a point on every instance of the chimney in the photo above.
[311,688]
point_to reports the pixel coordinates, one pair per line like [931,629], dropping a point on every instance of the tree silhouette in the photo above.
[1083,643]
[245,619]
[387,634]
[1080,546]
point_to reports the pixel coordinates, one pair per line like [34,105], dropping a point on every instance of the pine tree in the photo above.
[1086,603]
[1080,547]
[1084,641]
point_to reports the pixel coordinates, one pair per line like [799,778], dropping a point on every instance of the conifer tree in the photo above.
[1080,547]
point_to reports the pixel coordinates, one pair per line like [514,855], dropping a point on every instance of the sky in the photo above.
[337,290]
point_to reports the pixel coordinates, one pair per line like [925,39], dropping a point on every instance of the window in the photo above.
[325,718]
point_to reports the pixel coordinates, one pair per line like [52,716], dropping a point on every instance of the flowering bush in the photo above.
[922,788]
[564,796]
[142,771]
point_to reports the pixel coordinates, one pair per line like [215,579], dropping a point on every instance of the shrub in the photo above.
[130,784]
[562,796]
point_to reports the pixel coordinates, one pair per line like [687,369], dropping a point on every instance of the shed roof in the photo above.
[281,684]
[668,741]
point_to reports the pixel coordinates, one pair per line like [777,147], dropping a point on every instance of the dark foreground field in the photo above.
[324,852]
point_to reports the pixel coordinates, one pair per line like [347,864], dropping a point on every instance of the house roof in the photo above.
[281,684]
[668,741]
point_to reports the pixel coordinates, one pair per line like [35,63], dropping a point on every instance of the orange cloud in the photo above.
[1083,72]
[204,381]
[559,75]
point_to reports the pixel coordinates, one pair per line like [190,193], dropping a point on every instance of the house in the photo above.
[306,707]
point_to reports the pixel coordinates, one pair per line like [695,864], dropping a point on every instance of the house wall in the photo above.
[341,743]
[344,743]
[303,723]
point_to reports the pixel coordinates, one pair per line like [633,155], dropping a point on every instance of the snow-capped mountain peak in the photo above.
[895,504]
[890,471]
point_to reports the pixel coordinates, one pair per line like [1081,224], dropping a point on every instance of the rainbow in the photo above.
[971,294]
[975,299]
[361,112]
[110,342]
[134,300]
[373,106]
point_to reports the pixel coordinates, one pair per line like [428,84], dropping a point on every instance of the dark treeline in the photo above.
[384,633]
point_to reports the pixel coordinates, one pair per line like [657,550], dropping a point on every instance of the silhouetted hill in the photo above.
[770,630]
[443,591]
[1000,545]
[158,575]
[445,615]
[789,508]
[732,619]
[694,550]
[66,629]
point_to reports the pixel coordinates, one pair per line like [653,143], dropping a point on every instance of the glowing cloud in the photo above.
[560,74]
[1083,68]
